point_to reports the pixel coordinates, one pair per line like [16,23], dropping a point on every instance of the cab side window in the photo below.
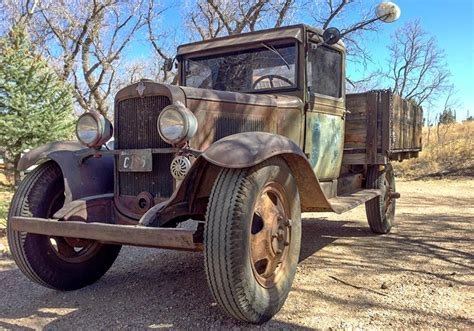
[325,71]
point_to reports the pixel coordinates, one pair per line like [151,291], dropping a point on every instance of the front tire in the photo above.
[381,210]
[58,263]
[252,239]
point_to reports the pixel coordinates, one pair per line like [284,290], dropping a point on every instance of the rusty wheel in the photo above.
[252,239]
[270,235]
[55,262]
[381,210]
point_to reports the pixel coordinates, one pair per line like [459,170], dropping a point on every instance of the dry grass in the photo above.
[447,153]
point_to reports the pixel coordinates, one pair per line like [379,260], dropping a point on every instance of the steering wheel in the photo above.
[270,78]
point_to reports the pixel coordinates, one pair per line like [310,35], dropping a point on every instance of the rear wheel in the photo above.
[252,239]
[55,262]
[381,210]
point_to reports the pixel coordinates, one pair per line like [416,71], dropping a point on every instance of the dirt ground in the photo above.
[419,276]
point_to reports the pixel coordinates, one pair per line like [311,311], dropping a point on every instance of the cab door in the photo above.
[324,140]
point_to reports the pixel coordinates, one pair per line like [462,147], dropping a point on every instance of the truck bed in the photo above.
[381,127]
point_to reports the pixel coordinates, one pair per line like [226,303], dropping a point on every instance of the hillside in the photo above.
[447,152]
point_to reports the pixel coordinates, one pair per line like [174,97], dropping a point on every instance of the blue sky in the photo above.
[451,21]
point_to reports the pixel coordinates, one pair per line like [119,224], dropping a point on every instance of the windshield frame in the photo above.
[249,47]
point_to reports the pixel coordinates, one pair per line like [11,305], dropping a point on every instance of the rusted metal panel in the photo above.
[324,144]
[247,149]
[181,239]
[349,183]
[96,208]
[83,178]
[221,113]
[344,203]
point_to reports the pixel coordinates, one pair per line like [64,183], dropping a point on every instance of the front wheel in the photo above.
[381,210]
[55,262]
[252,239]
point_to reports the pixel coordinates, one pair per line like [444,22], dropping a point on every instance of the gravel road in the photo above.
[419,276]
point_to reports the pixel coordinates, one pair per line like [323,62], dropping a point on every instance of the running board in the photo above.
[346,202]
[136,235]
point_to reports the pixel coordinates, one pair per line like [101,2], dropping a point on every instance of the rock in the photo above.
[384,286]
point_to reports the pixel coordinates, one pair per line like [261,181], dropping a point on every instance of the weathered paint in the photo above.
[324,144]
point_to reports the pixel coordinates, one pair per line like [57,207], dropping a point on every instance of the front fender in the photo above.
[42,153]
[247,149]
[82,177]
[242,150]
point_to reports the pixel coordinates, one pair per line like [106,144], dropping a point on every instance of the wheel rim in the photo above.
[389,188]
[270,235]
[71,250]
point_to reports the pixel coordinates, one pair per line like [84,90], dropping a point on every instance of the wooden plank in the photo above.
[371,142]
[109,233]
[386,113]
[361,158]
[396,124]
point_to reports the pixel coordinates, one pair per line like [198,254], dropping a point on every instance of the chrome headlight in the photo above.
[176,124]
[93,129]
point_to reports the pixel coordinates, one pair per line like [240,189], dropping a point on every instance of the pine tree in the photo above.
[36,107]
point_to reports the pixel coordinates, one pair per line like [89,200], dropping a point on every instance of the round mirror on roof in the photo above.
[331,36]
[388,12]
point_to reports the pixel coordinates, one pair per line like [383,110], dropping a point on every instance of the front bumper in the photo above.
[136,235]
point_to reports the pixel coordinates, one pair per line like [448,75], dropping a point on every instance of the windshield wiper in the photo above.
[274,50]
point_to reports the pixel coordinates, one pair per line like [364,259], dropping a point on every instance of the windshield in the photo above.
[266,68]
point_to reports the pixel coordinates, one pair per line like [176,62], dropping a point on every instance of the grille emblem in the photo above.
[141,88]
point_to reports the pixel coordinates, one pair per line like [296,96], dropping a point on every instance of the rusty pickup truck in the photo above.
[258,130]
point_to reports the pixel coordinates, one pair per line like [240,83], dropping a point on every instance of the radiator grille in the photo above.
[135,128]
[226,125]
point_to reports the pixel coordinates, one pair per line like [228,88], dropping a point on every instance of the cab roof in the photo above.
[296,32]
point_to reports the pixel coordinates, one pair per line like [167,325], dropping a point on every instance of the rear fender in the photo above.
[83,177]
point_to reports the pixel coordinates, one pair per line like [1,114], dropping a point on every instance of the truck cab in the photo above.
[306,81]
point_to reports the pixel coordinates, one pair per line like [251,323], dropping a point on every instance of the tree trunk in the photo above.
[11,165]
[16,172]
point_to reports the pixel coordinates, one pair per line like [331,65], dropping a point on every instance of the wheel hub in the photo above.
[270,235]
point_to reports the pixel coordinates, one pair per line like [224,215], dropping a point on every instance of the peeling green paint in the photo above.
[324,144]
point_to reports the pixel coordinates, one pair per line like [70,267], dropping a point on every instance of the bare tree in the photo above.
[214,18]
[327,13]
[158,41]
[14,12]
[91,35]
[416,66]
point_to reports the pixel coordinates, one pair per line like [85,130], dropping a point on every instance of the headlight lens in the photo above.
[93,129]
[177,124]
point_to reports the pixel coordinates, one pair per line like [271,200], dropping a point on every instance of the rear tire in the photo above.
[381,210]
[53,262]
[252,239]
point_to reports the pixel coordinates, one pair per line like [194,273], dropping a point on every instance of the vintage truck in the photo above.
[258,130]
